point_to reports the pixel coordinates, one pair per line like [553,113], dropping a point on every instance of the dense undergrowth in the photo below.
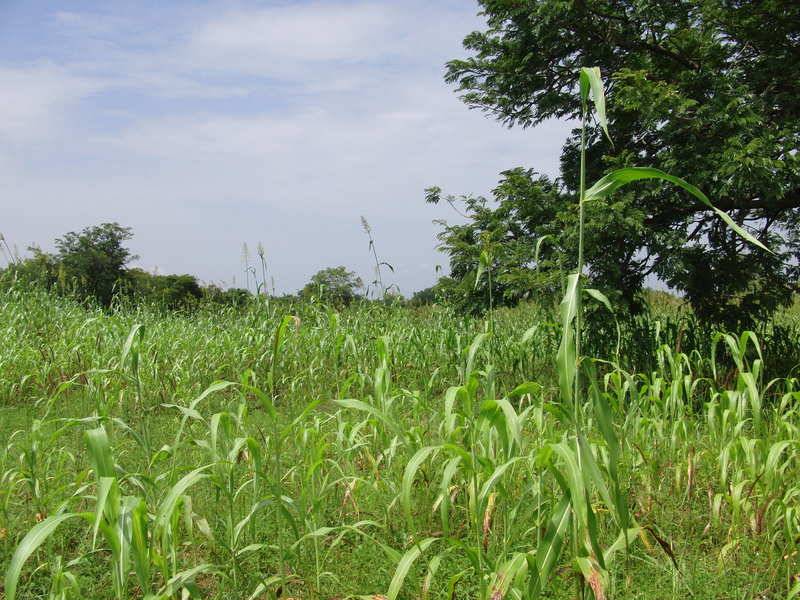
[280,450]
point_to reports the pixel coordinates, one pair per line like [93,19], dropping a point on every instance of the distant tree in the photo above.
[232,296]
[179,291]
[41,270]
[527,210]
[95,260]
[334,284]
[423,297]
[171,291]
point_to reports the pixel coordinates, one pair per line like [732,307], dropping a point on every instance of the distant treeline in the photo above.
[92,266]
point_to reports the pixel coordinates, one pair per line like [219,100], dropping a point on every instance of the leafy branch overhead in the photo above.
[706,91]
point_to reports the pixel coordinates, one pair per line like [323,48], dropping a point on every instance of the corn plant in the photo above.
[135,533]
[574,513]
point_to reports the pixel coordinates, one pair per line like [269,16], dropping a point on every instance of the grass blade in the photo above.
[405,565]
[32,540]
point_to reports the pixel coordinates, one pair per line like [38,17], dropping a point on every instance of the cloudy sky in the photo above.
[207,125]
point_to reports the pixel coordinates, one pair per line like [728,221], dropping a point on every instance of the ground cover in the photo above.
[299,451]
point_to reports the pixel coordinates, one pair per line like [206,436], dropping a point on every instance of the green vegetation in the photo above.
[336,285]
[93,261]
[704,90]
[235,453]
[92,266]
[321,448]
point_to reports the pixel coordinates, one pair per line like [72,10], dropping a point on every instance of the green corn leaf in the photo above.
[591,471]
[169,503]
[450,412]
[592,79]
[459,451]
[565,359]
[262,587]
[32,540]
[794,591]
[433,567]
[549,549]
[576,478]
[472,354]
[140,542]
[512,426]
[591,535]
[408,483]
[483,264]
[280,335]
[99,451]
[490,483]
[492,417]
[528,388]
[405,564]
[140,441]
[625,539]
[620,177]
[510,570]
[188,412]
[127,347]
[124,532]
[185,579]
[107,504]
[214,387]
[444,507]
[359,405]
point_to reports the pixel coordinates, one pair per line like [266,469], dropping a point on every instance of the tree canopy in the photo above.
[334,284]
[95,259]
[707,90]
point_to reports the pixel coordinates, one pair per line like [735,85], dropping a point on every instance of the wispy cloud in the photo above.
[35,99]
[287,39]
[203,127]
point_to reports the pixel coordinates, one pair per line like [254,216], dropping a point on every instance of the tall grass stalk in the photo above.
[378,264]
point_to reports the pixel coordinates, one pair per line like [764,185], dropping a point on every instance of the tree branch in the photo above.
[789,201]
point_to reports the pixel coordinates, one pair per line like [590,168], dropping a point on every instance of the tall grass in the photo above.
[380,450]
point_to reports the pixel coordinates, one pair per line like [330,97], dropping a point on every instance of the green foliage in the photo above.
[706,90]
[92,265]
[95,260]
[42,270]
[334,284]
[242,453]
[172,291]
[423,297]
[526,212]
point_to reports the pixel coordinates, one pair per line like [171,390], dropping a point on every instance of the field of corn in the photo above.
[296,451]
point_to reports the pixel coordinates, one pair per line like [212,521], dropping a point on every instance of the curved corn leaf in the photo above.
[405,564]
[620,177]
[171,501]
[566,358]
[32,540]
[592,79]
[408,482]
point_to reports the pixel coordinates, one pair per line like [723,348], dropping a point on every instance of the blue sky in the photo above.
[207,125]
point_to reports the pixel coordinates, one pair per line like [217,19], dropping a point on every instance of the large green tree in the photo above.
[95,260]
[708,90]
[334,284]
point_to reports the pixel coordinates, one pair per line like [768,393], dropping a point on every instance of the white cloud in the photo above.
[280,38]
[203,128]
[35,100]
